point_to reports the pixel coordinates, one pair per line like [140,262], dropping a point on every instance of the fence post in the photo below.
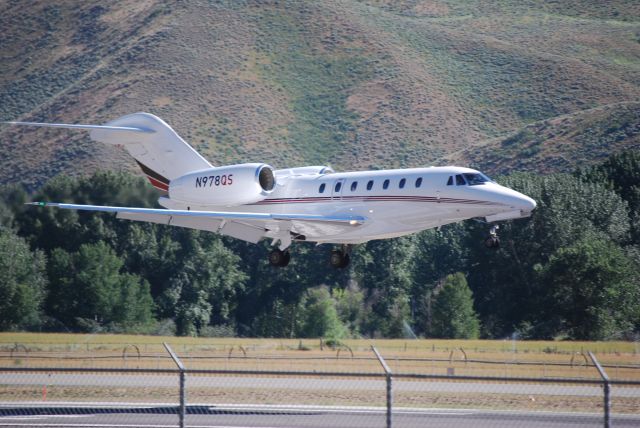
[183,391]
[389,376]
[607,390]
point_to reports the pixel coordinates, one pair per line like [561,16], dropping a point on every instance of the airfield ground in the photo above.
[431,357]
[427,356]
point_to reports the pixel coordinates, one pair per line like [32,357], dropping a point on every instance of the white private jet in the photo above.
[313,203]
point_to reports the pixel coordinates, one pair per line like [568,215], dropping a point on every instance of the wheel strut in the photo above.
[493,241]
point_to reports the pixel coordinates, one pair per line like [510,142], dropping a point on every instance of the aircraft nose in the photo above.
[526,203]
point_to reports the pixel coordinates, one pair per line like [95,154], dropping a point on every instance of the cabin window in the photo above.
[338,187]
[418,182]
[402,183]
[354,186]
[460,180]
[450,182]
[321,189]
[385,184]
[370,185]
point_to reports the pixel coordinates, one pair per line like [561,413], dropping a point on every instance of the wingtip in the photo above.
[38,204]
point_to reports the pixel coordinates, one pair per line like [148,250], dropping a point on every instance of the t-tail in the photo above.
[157,148]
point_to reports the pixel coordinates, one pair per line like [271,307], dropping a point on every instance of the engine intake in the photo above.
[266,178]
[224,186]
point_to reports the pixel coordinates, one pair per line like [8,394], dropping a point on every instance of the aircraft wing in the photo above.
[246,226]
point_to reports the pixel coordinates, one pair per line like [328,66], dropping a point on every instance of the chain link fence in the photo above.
[239,387]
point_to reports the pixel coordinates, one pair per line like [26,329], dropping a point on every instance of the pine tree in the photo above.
[453,316]
[22,283]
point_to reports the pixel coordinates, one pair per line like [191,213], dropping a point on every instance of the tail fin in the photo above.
[157,148]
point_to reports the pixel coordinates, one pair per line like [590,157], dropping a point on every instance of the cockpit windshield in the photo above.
[473,179]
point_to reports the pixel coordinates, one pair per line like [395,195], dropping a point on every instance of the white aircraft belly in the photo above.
[385,219]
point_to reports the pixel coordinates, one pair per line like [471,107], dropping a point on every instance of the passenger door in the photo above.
[337,189]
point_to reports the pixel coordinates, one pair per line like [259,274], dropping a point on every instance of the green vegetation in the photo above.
[532,86]
[351,83]
[453,315]
[88,291]
[316,81]
[569,271]
[559,144]
[22,283]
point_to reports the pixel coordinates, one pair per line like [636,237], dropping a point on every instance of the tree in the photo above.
[12,199]
[350,308]
[438,253]
[383,268]
[319,317]
[505,285]
[68,229]
[453,316]
[593,291]
[203,282]
[621,173]
[22,283]
[88,290]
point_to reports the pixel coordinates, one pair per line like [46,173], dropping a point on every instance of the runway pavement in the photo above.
[288,383]
[222,416]
[124,415]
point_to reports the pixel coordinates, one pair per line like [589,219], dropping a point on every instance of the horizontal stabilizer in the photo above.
[86,127]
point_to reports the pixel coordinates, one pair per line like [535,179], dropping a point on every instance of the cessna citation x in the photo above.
[252,201]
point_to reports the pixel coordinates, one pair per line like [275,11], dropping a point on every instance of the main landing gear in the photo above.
[279,258]
[493,241]
[340,258]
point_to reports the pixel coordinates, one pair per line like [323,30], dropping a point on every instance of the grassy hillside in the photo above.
[560,143]
[531,85]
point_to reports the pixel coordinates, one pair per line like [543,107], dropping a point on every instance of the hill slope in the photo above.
[356,84]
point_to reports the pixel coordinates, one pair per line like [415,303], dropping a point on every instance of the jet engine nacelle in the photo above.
[224,186]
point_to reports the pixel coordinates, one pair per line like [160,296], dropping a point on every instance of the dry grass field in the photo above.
[440,357]
[465,357]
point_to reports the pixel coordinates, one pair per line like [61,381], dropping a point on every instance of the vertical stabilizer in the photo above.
[159,151]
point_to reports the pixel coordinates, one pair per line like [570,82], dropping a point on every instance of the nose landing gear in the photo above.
[493,240]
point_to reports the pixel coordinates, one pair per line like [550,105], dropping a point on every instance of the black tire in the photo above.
[345,261]
[335,259]
[275,257]
[339,259]
[286,259]
[492,242]
[279,258]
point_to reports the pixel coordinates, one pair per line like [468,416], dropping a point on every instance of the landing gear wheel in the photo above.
[493,241]
[339,259]
[279,258]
